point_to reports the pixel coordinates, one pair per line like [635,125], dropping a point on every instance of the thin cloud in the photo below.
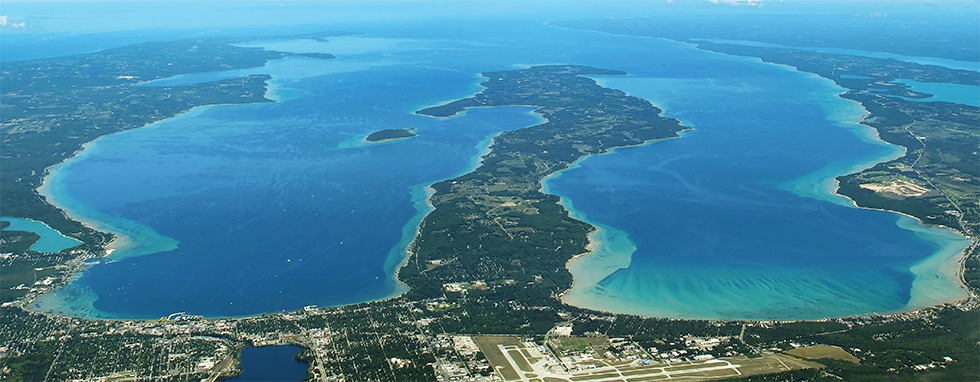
[5,22]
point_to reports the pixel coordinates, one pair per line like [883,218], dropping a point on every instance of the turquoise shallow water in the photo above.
[246,209]
[716,224]
[51,241]
[942,92]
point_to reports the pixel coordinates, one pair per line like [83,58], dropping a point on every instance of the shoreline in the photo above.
[365,141]
[941,264]
[599,232]
[875,136]
[386,140]
[937,258]
[122,241]
[477,88]
[16,224]
[423,192]
[46,191]
[958,259]
[427,192]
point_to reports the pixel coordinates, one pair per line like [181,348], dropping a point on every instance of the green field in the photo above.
[824,352]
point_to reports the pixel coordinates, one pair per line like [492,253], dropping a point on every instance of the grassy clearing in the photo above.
[824,352]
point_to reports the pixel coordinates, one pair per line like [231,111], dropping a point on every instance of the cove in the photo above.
[943,92]
[51,241]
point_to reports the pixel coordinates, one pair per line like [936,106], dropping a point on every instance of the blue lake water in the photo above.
[271,363]
[51,241]
[246,209]
[725,194]
[955,93]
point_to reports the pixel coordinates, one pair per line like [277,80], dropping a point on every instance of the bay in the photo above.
[51,241]
[268,207]
[943,92]
[720,225]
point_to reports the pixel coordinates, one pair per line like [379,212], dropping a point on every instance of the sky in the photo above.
[34,16]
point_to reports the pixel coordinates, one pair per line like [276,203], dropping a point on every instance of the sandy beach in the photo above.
[130,238]
[937,278]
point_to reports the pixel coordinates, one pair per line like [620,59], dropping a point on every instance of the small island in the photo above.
[390,135]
